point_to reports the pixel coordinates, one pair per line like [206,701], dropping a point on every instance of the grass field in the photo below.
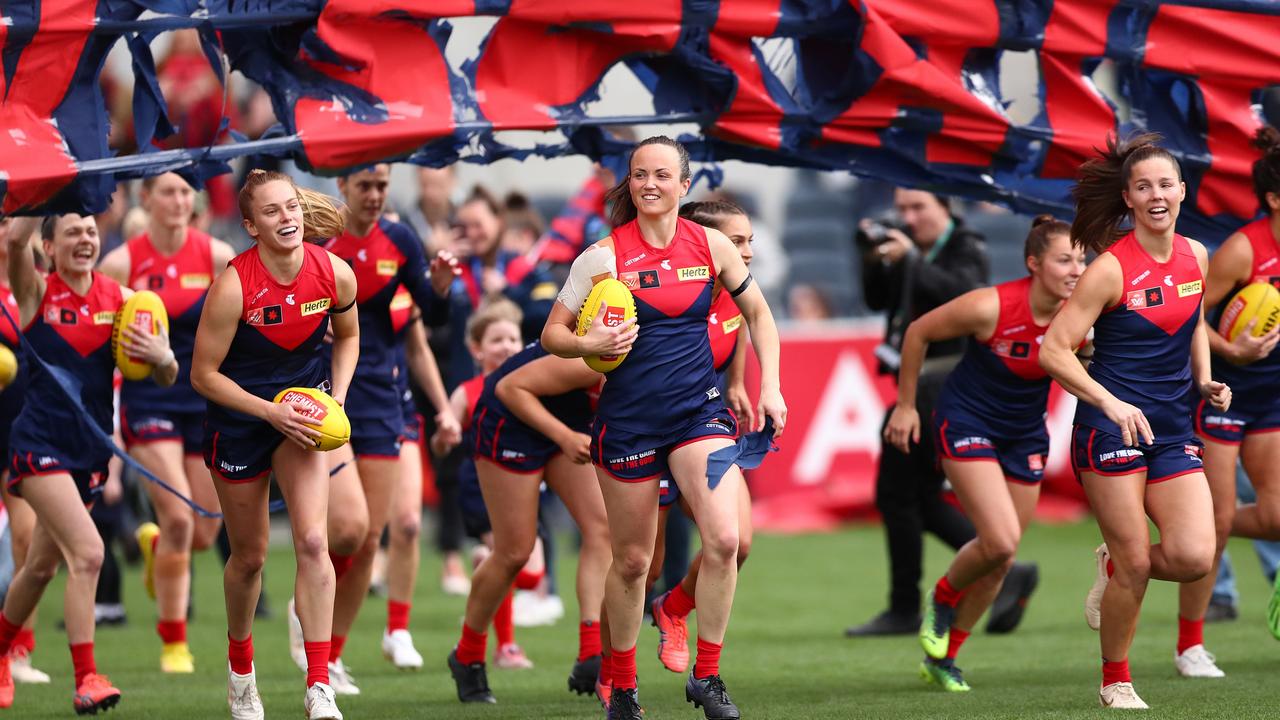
[786,656]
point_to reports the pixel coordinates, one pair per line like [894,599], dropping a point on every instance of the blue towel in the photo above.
[748,454]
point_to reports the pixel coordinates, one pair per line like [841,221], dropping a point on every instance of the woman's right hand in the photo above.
[285,418]
[577,447]
[1247,349]
[604,340]
[903,428]
[1134,428]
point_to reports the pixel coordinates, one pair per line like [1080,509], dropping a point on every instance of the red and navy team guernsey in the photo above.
[389,258]
[72,334]
[182,281]
[999,382]
[722,328]
[11,396]
[279,337]
[572,408]
[669,374]
[1142,345]
[1258,383]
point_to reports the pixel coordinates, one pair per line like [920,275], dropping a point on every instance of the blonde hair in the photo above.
[490,312]
[321,215]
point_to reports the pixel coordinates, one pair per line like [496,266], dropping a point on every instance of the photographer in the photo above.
[908,271]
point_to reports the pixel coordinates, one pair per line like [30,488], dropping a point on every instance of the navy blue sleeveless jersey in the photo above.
[72,334]
[182,281]
[278,341]
[1257,383]
[669,375]
[11,396]
[572,408]
[1142,345]
[999,382]
[390,257]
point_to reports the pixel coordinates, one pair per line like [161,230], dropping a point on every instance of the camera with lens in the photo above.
[873,233]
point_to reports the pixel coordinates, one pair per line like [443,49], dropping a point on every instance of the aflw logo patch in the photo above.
[315,306]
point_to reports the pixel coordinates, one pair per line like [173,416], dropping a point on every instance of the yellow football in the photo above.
[1259,300]
[323,412]
[144,310]
[613,299]
[8,366]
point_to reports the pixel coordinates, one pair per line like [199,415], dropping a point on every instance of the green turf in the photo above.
[786,656]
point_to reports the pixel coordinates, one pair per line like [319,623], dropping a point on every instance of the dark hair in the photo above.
[481,194]
[1100,206]
[622,208]
[321,218]
[49,227]
[1043,227]
[1266,169]
[519,214]
[711,213]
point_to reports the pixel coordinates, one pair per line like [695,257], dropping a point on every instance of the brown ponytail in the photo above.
[1099,188]
[1043,227]
[622,208]
[711,213]
[321,215]
[1266,169]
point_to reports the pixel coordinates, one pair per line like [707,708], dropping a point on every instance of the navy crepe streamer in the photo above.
[748,453]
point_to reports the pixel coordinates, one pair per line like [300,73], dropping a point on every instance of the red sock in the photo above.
[606,668]
[624,669]
[526,580]
[240,654]
[26,640]
[397,615]
[588,640]
[707,662]
[336,643]
[82,660]
[1114,672]
[1111,568]
[958,637]
[945,594]
[503,624]
[172,631]
[471,646]
[678,603]
[1190,633]
[341,564]
[8,634]
[317,661]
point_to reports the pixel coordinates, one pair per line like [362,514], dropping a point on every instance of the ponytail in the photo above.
[1266,169]
[321,216]
[1099,188]
[622,208]
[711,213]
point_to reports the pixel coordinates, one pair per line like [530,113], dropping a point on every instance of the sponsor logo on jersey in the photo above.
[699,272]
[972,444]
[635,259]
[1142,299]
[400,301]
[195,281]
[1011,349]
[106,317]
[1014,329]
[732,324]
[666,264]
[155,282]
[288,299]
[512,455]
[151,425]
[1140,278]
[1190,288]
[713,393]
[1168,280]
[258,297]
[387,268]
[718,425]
[315,306]
[269,315]
[631,280]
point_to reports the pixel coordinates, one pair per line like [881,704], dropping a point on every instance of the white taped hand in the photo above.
[595,261]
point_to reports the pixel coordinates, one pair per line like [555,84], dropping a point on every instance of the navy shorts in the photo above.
[412,430]
[1104,453]
[1022,459]
[511,444]
[31,466]
[635,457]
[236,459]
[10,406]
[140,427]
[668,492]
[475,514]
[1241,419]
[377,438]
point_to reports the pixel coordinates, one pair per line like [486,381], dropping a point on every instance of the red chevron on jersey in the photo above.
[286,313]
[1266,252]
[1165,294]
[181,279]
[670,279]
[1016,340]
[401,309]
[375,259]
[83,322]
[472,388]
[8,330]
[722,327]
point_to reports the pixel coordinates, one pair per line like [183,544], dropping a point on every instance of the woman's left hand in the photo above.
[773,407]
[142,346]
[444,268]
[1218,395]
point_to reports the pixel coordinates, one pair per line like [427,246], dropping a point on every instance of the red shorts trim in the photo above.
[229,481]
[499,464]
[677,446]
[629,481]
[1153,481]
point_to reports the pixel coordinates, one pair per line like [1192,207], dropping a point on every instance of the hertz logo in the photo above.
[315,306]
[701,272]
[106,317]
[388,268]
[1189,288]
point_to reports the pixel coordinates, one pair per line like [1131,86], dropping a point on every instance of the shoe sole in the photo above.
[403,668]
[697,705]
[928,679]
[104,705]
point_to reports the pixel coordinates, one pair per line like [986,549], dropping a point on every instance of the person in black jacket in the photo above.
[906,272]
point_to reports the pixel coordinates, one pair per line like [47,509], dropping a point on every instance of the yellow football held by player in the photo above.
[8,366]
[612,299]
[145,310]
[1258,300]
[322,412]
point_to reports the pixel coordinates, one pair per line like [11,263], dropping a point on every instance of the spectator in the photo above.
[431,215]
[806,303]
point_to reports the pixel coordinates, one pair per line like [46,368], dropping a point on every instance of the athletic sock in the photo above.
[678,603]
[958,637]
[708,660]
[588,639]
[397,615]
[172,631]
[624,669]
[336,644]
[1190,633]
[471,646]
[8,634]
[341,564]
[26,640]
[945,594]
[526,580]
[606,668]
[1114,672]
[240,654]
[317,661]
[504,626]
[82,660]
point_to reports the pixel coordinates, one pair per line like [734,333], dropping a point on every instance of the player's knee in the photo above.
[1190,561]
[406,527]
[42,571]
[347,533]
[999,547]
[632,563]
[205,535]
[1132,568]
[177,528]
[86,558]
[511,558]
[311,545]
[246,563]
[721,546]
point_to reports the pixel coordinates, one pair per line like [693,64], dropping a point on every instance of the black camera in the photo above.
[873,233]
